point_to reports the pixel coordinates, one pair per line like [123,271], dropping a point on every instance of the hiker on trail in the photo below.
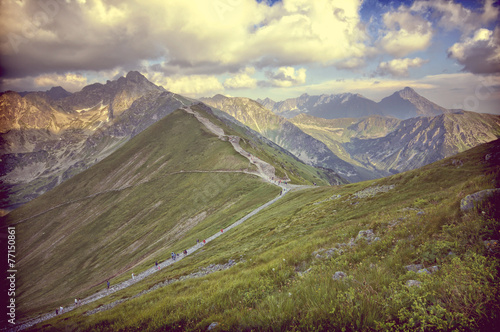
[133,276]
[61,309]
[156,263]
[108,284]
[173,256]
[76,302]
[57,311]
[204,242]
[198,241]
[222,231]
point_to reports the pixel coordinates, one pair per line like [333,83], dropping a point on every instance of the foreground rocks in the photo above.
[472,201]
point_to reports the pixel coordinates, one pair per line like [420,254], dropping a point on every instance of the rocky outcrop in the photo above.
[472,201]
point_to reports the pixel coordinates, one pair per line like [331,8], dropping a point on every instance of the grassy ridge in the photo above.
[419,221]
[129,210]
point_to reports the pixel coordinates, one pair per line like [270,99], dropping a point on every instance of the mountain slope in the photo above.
[420,141]
[337,258]
[406,103]
[132,208]
[283,133]
[44,141]
[383,145]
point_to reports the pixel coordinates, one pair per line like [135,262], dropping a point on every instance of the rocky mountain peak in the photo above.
[58,92]
[136,77]
[407,93]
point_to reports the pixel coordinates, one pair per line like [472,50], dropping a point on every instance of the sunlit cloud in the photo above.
[399,67]
[242,80]
[406,33]
[287,76]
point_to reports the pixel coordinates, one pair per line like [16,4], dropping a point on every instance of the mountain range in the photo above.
[368,147]
[403,104]
[47,137]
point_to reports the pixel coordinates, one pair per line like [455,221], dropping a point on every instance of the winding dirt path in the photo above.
[265,170]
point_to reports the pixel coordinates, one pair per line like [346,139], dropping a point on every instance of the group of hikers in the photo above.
[60,310]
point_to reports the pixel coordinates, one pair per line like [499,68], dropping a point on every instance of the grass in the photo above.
[419,221]
[74,239]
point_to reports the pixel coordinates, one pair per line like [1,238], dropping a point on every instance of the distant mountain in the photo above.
[406,103]
[402,104]
[420,141]
[326,106]
[57,92]
[383,145]
[267,103]
[45,138]
[284,133]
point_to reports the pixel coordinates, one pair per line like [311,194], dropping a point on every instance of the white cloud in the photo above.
[455,16]
[70,81]
[399,67]
[406,33]
[480,53]
[100,35]
[287,77]
[242,80]
[191,86]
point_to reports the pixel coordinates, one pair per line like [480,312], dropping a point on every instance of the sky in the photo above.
[448,51]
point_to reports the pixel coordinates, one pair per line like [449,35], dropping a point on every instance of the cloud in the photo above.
[406,33]
[70,81]
[38,37]
[287,77]
[191,86]
[398,67]
[242,80]
[480,53]
[455,16]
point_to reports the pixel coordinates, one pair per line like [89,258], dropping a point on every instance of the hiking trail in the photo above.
[264,170]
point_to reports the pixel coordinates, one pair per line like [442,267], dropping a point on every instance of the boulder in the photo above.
[212,326]
[414,267]
[368,235]
[339,275]
[471,201]
[411,283]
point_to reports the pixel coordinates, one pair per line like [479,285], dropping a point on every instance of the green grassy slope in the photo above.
[417,221]
[131,209]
